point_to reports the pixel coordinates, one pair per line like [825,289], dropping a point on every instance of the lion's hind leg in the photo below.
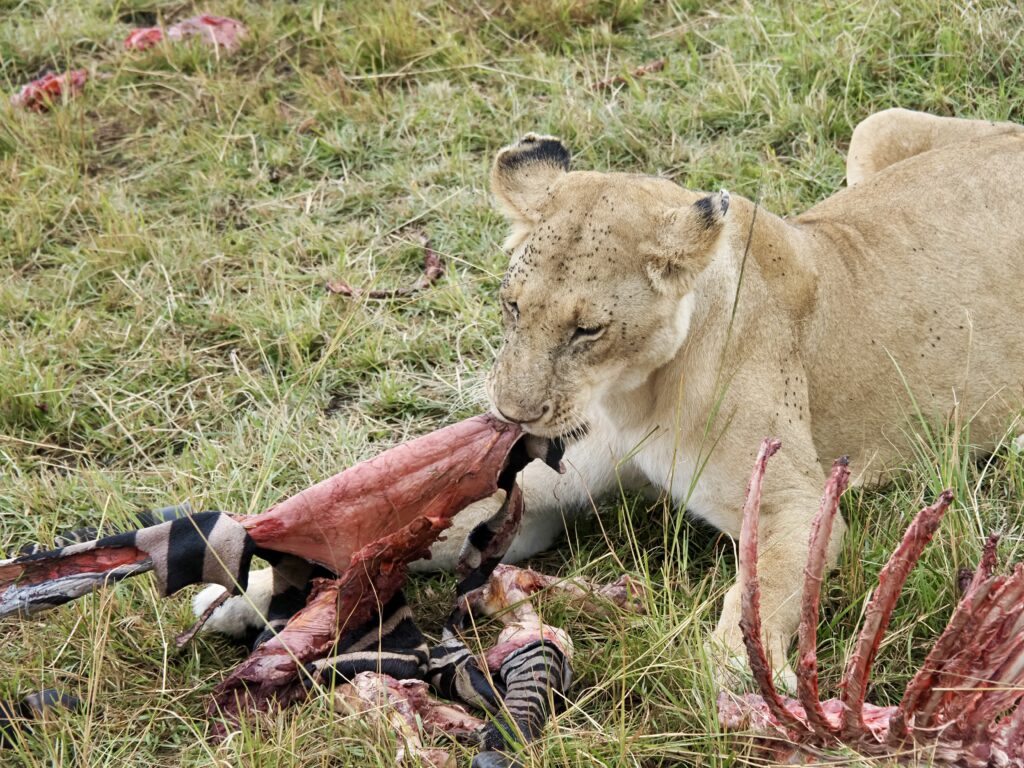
[892,135]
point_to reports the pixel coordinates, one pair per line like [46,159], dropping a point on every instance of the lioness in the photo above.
[664,332]
[668,331]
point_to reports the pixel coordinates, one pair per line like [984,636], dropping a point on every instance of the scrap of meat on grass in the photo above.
[43,92]
[215,31]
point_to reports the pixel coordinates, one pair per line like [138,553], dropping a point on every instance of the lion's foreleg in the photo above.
[783,538]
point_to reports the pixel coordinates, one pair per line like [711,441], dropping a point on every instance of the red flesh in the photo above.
[365,524]
[40,94]
[432,477]
[143,39]
[47,569]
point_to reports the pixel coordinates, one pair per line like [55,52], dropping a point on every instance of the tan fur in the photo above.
[909,282]
[892,135]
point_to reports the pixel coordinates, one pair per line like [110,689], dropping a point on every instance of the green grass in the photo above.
[165,238]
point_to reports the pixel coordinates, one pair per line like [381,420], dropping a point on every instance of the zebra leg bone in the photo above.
[406,708]
[532,659]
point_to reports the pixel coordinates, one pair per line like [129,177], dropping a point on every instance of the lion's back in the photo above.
[922,295]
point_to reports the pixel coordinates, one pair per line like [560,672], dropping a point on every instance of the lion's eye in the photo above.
[588,332]
[513,309]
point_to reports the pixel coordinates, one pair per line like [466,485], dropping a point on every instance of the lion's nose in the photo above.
[519,415]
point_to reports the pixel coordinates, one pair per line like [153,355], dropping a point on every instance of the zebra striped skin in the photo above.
[183,548]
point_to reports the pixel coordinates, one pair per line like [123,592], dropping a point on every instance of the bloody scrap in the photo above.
[433,268]
[964,706]
[339,553]
[407,708]
[144,38]
[532,661]
[652,66]
[43,92]
[218,32]
[215,31]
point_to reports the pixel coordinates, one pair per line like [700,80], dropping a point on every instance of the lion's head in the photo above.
[595,297]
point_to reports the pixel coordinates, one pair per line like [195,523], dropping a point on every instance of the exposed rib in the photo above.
[922,685]
[996,661]
[807,663]
[1013,731]
[934,708]
[879,611]
[750,616]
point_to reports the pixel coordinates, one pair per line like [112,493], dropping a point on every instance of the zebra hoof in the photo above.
[492,759]
[15,717]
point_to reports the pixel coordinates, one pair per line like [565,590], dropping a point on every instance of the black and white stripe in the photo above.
[16,717]
[455,674]
[209,547]
[292,582]
[183,548]
[536,677]
[389,643]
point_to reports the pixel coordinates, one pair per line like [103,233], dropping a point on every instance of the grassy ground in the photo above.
[165,238]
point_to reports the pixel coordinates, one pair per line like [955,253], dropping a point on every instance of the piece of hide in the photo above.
[340,548]
[215,31]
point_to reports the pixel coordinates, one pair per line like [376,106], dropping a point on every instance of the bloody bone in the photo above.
[433,268]
[407,707]
[964,707]
[652,66]
[376,572]
[363,525]
[533,660]
[40,94]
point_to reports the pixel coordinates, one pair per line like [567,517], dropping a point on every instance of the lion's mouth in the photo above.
[575,434]
[563,437]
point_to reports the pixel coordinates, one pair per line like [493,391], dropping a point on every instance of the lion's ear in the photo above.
[686,242]
[523,174]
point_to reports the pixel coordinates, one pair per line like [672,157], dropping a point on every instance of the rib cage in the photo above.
[964,707]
